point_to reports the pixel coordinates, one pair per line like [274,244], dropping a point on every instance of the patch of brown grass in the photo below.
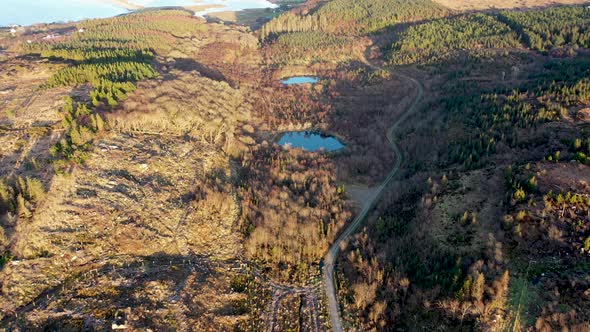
[504,4]
[187,105]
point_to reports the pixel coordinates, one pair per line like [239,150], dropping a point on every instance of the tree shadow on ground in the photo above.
[189,65]
[30,158]
[140,291]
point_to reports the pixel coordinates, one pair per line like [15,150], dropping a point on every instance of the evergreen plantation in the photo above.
[354,17]
[433,34]
[439,40]
[542,30]
[110,55]
[497,116]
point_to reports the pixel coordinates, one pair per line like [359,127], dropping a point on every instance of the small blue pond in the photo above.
[310,141]
[300,80]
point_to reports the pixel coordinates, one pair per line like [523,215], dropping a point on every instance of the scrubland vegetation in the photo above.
[113,53]
[366,102]
[581,147]
[293,209]
[446,281]
[547,220]
[110,55]
[493,200]
[191,106]
[154,139]
[151,29]
[81,126]
[497,117]
[18,193]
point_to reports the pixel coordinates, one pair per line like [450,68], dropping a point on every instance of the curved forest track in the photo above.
[280,291]
[332,255]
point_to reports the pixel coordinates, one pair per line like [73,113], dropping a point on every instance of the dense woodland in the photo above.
[354,17]
[292,106]
[543,30]
[440,282]
[437,37]
[471,265]
[442,39]
[324,34]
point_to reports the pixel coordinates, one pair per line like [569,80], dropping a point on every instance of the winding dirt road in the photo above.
[332,254]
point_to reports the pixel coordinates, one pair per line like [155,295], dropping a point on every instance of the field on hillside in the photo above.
[505,4]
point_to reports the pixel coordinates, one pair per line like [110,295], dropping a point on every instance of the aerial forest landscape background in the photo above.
[295,165]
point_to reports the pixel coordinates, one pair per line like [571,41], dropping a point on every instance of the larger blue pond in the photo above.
[300,80]
[310,141]
[27,12]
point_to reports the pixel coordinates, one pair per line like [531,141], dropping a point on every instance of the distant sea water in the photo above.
[27,12]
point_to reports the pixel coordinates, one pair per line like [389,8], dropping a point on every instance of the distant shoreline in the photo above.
[198,6]
[110,8]
[125,4]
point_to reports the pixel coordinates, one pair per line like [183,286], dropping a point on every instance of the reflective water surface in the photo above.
[310,141]
[27,12]
[300,80]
